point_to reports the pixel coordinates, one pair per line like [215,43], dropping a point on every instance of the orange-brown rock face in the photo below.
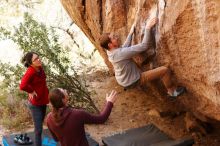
[188,39]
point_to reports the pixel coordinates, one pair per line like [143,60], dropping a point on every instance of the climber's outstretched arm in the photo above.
[130,51]
[128,40]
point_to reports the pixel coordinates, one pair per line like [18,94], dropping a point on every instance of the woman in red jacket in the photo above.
[67,124]
[34,83]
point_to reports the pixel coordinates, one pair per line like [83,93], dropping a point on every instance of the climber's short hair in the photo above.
[105,40]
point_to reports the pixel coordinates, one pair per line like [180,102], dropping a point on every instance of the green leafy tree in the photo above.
[34,36]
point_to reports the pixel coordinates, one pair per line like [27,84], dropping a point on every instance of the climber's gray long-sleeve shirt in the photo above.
[126,71]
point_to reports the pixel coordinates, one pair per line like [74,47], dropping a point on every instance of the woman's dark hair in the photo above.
[27,59]
[55,97]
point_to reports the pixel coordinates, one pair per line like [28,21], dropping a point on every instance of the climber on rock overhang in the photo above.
[127,73]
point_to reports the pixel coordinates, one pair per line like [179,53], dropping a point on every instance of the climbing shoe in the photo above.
[177,92]
[17,137]
[23,140]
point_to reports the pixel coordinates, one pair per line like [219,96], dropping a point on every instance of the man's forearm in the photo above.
[128,40]
[146,38]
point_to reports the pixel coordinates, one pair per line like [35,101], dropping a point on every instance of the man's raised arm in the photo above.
[128,40]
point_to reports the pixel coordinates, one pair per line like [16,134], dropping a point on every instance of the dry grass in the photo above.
[14,114]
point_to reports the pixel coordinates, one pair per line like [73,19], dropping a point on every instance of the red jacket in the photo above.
[35,81]
[69,129]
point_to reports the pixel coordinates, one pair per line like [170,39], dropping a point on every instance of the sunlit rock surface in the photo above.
[187,39]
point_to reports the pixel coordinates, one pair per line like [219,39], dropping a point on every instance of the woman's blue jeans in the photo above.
[38,114]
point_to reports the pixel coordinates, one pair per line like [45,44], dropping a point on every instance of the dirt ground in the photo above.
[135,108]
[138,107]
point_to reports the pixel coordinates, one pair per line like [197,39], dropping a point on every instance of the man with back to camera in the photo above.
[127,73]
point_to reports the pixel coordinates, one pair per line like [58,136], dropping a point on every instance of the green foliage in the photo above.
[11,78]
[34,36]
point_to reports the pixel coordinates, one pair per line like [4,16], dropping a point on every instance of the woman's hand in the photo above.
[151,22]
[112,96]
[32,95]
